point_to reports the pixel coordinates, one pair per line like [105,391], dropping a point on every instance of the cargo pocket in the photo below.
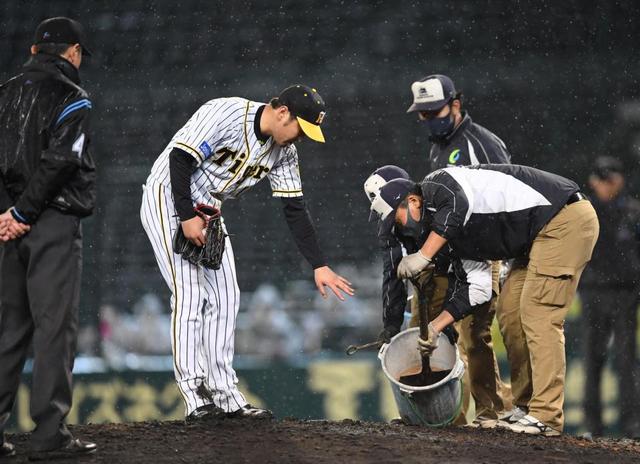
[553,285]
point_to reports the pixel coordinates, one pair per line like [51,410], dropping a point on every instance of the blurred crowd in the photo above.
[275,322]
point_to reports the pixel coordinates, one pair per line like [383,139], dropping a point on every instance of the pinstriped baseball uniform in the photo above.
[220,136]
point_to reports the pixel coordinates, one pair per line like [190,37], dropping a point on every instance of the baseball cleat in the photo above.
[532,426]
[205,413]
[250,412]
[73,449]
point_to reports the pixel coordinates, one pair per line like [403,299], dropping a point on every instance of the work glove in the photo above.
[412,265]
[388,333]
[428,346]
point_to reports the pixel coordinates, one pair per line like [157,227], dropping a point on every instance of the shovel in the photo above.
[424,287]
[352,349]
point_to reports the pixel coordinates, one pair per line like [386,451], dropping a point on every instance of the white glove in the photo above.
[428,346]
[411,265]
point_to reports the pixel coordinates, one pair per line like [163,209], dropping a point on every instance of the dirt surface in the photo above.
[295,441]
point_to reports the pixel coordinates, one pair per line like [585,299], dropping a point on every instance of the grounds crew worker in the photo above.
[458,141]
[482,376]
[47,185]
[499,211]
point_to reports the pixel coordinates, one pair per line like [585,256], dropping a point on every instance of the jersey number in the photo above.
[78,145]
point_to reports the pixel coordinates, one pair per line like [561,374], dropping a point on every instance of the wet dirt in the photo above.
[416,376]
[314,441]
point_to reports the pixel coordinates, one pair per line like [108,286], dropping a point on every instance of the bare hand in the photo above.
[193,230]
[324,276]
[11,229]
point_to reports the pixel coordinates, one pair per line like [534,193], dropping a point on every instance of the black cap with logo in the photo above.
[306,104]
[61,30]
[431,93]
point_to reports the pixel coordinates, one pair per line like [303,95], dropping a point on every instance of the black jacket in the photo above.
[493,211]
[44,141]
[468,144]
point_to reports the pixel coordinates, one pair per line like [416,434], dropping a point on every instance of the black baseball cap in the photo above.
[306,104]
[431,93]
[61,30]
[387,201]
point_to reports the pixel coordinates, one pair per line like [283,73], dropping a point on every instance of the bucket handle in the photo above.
[383,350]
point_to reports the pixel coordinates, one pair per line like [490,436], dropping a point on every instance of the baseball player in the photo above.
[225,148]
[482,376]
[502,212]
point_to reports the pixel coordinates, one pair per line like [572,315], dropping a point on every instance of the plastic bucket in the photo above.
[434,405]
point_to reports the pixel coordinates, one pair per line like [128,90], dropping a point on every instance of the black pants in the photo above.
[610,312]
[39,299]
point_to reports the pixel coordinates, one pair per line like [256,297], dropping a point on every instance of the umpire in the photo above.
[47,185]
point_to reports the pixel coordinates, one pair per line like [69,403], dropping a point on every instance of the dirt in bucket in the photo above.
[409,377]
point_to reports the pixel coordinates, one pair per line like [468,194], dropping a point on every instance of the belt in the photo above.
[577,196]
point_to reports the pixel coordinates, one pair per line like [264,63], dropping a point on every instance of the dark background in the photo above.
[555,80]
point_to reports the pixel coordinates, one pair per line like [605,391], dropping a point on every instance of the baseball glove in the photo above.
[209,255]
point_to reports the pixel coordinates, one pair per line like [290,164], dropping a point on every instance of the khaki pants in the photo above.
[482,377]
[533,305]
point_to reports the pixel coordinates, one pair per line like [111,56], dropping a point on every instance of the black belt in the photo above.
[576,197]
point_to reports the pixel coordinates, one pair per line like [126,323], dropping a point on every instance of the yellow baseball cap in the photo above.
[306,104]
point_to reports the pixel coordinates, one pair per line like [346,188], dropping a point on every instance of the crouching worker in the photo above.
[482,376]
[493,212]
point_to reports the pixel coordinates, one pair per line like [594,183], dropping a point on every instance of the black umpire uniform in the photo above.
[48,181]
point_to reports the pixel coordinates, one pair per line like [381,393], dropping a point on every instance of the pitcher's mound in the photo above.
[298,441]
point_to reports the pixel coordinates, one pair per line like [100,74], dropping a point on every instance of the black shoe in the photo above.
[248,411]
[7,449]
[75,447]
[209,412]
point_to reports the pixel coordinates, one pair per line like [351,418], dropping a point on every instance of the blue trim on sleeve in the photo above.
[84,103]
[17,216]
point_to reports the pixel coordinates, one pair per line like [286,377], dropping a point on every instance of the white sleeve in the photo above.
[284,177]
[480,278]
[204,131]
[472,286]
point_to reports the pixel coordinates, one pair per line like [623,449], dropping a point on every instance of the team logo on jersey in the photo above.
[256,171]
[320,118]
[454,156]
[205,149]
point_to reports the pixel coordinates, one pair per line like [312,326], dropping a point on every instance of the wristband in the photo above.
[17,216]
